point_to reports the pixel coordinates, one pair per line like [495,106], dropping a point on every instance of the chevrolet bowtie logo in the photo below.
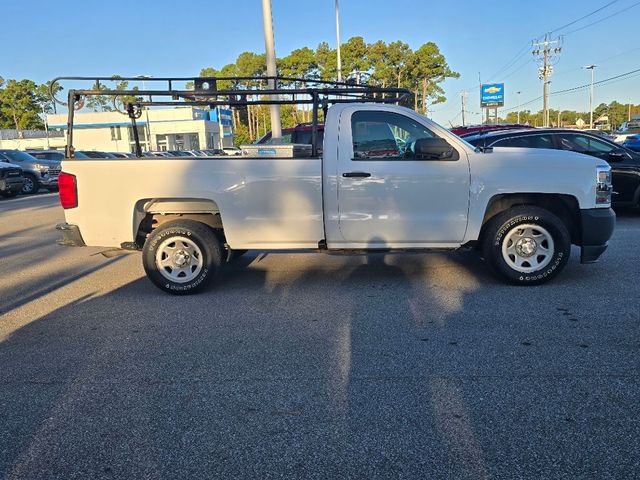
[492,90]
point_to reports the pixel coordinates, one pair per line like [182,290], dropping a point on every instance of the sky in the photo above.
[43,39]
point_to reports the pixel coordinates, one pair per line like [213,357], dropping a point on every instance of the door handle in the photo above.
[356,174]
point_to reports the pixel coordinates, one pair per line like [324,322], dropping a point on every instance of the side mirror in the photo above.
[434,149]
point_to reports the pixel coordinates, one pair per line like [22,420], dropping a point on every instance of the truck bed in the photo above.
[263,200]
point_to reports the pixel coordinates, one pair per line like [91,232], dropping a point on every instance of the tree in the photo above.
[326,61]
[43,93]
[19,106]
[428,68]
[355,58]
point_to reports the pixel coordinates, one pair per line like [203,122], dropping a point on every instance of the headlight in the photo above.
[603,185]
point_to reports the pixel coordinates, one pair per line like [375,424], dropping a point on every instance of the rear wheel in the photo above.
[30,184]
[527,245]
[182,256]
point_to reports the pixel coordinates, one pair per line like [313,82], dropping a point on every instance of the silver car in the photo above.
[37,173]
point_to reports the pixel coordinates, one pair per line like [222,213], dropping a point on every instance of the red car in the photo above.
[473,129]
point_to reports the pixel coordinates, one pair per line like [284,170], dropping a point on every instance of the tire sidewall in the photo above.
[208,246]
[548,221]
[35,184]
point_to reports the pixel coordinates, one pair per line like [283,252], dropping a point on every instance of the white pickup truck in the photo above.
[388,179]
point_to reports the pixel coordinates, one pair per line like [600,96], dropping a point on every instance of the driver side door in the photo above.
[390,198]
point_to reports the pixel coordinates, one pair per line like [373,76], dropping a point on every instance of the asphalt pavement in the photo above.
[313,365]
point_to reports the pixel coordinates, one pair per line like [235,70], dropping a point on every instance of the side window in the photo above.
[585,144]
[526,141]
[385,135]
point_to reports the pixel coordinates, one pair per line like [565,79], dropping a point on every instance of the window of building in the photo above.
[115,133]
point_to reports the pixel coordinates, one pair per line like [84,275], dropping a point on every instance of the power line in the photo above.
[523,51]
[583,17]
[622,76]
[603,19]
[600,82]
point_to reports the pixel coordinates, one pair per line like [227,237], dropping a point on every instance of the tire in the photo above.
[53,189]
[527,245]
[182,241]
[31,184]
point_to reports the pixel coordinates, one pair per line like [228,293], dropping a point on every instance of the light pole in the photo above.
[593,69]
[46,127]
[518,93]
[272,70]
[338,41]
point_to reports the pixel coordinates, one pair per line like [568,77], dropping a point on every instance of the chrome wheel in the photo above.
[527,248]
[179,259]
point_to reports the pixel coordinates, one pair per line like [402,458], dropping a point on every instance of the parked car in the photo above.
[489,127]
[11,179]
[625,163]
[123,154]
[37,173]
[301,133]
[632,143]
[57,155]
[93,154]
[231,151]
[390,179]
[626,130]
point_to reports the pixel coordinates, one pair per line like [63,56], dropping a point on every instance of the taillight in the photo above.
[68,190]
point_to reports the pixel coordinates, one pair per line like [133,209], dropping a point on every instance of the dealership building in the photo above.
[181,128]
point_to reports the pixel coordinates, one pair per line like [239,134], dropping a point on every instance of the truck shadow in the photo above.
[378,365]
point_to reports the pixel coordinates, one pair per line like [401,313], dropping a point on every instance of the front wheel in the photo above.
[30,185]
[527,245]
[182,256]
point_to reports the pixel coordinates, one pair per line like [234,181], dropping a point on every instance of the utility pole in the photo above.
[463,98]
[629,119]
[338,41]
[548,52]
[272,71]
[593,69]
[518,93]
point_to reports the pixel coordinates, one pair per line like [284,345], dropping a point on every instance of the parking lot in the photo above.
[313,366]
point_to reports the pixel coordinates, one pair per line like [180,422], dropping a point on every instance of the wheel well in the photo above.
[565,207]
[150,214]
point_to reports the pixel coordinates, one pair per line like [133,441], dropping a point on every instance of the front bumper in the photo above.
[48,182]
[597,228]
[11,185]
[71,236]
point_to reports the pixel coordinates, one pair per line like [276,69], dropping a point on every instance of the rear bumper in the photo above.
[597,228]
[71,236]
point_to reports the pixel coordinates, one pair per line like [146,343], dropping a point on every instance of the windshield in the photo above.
[18,156]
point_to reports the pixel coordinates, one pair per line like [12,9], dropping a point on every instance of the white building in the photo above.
[181,128]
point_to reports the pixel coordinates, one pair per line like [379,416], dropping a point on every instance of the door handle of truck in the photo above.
[356,174]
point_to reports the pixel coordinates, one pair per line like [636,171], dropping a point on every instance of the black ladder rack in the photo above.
[278,91]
